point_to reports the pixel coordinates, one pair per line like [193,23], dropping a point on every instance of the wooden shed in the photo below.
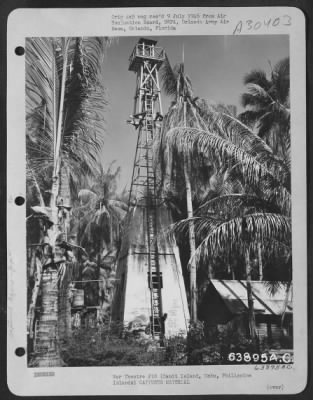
[225,305]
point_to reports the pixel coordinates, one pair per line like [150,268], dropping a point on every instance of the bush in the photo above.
[176,350]
[100,347]
[114,346]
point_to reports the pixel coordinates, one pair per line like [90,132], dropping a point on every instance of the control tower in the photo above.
[150,291]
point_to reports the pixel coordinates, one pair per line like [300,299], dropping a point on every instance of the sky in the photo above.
[216,66]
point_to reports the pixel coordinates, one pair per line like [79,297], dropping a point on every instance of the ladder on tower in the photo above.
[155,281]
[154,276]
[147,110]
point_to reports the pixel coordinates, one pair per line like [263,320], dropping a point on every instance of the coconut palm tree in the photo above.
[190,119]
[212,136]
[267,105]
[268,112]
[238,221]
[98,217]
[100,212]
[65,113]
[182,113]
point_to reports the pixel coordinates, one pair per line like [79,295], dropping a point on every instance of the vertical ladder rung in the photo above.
[148,180]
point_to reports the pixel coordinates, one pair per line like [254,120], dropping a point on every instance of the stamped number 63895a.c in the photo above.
[280,358]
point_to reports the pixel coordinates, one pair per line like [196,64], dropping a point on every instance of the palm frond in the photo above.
[273,286]
[249,100]
[245,231]
[267,105]
[236,204]
[257,77]
[202,226]
[87,197]
[118,204]
[238,133]
[250,117]
[197,142]
[281,78]
[81,120]
[168,78]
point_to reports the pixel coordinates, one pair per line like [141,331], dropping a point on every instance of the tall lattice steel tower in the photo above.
[151,290]
[145,61]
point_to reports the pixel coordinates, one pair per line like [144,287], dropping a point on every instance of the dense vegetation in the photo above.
[226,178]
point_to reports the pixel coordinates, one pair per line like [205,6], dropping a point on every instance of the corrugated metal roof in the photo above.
[234,295]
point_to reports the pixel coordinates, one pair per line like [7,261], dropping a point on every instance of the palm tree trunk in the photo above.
[64,307]
[46,351]
[111,229]
[58,140]
[48,336]
[210,271]
[286,300]
[57,156]
[260,262]
[68,313]
[32,306]
[251,318]
[192,245]
[32,267]
[192,240]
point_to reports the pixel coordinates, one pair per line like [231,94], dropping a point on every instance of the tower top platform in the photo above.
[147,41]
[144,50]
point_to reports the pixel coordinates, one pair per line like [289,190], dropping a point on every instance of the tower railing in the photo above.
[145,51]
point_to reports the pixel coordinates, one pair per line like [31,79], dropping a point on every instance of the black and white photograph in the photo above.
[159,201]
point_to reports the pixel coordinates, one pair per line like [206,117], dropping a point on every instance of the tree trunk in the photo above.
[32,306]
[192,244]
[260,262]
[210,271]
[58,143]
[46,349]
[111,229]
[286,301]
[192,240]
[32,266]
[251,318]
[64,315]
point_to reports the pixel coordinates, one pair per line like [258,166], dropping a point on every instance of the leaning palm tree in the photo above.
[267,105]
[65,113]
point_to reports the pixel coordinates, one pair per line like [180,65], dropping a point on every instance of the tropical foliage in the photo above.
[267,105]
[65,117]
[65,106]
[247,206]
[99,212]
[182,113]
[227,180]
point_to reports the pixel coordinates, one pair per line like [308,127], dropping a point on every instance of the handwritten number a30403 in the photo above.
[250,25]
